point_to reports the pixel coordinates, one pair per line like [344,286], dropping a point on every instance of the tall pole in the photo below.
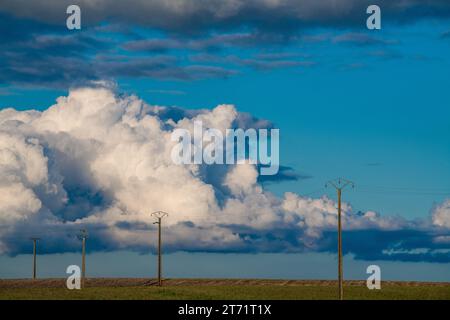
[159,253]
[339,185]
[83,236]
[34,256]
[340,276]
[159,215]
[83,262]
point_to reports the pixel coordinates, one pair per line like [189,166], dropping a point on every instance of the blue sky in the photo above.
[369,105]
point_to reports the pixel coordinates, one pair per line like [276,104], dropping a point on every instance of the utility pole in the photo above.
[339,185]
[83,235]
[34,256]
[159,215]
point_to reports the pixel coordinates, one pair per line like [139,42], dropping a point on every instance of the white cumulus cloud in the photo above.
[441,214]
[103,162]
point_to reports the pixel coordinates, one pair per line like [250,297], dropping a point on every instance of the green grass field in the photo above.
[237,292]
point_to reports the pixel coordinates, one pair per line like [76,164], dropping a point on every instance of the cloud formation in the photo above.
[441,214]
[157,39]
[102,161]
[190,16]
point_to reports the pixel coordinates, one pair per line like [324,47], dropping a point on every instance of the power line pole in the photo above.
[159,215]
[34,256]
[83,236]
[339,185]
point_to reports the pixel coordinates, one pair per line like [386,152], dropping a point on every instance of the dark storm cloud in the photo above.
[34,53]
[211,43]
[37,49]
[62,61]
[165,67]
[405,245]
[261,64]
[258,62]
[285,173]
[188,16]
[408,245]
[45,71]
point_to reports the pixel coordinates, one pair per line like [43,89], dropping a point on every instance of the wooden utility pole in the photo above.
[339,185]
[83,236]
[159,215]
[34,256]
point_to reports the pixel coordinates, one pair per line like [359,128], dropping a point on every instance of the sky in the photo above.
[368,105]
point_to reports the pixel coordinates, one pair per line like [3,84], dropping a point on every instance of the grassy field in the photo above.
[239,290]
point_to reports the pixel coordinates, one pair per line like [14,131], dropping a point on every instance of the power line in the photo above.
[393,191]
[406,188]
[396,193]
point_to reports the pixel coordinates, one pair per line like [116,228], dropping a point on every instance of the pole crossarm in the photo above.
[83,234]
[340,183]
[159,214]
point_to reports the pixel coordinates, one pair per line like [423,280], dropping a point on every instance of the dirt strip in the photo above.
[140,282]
